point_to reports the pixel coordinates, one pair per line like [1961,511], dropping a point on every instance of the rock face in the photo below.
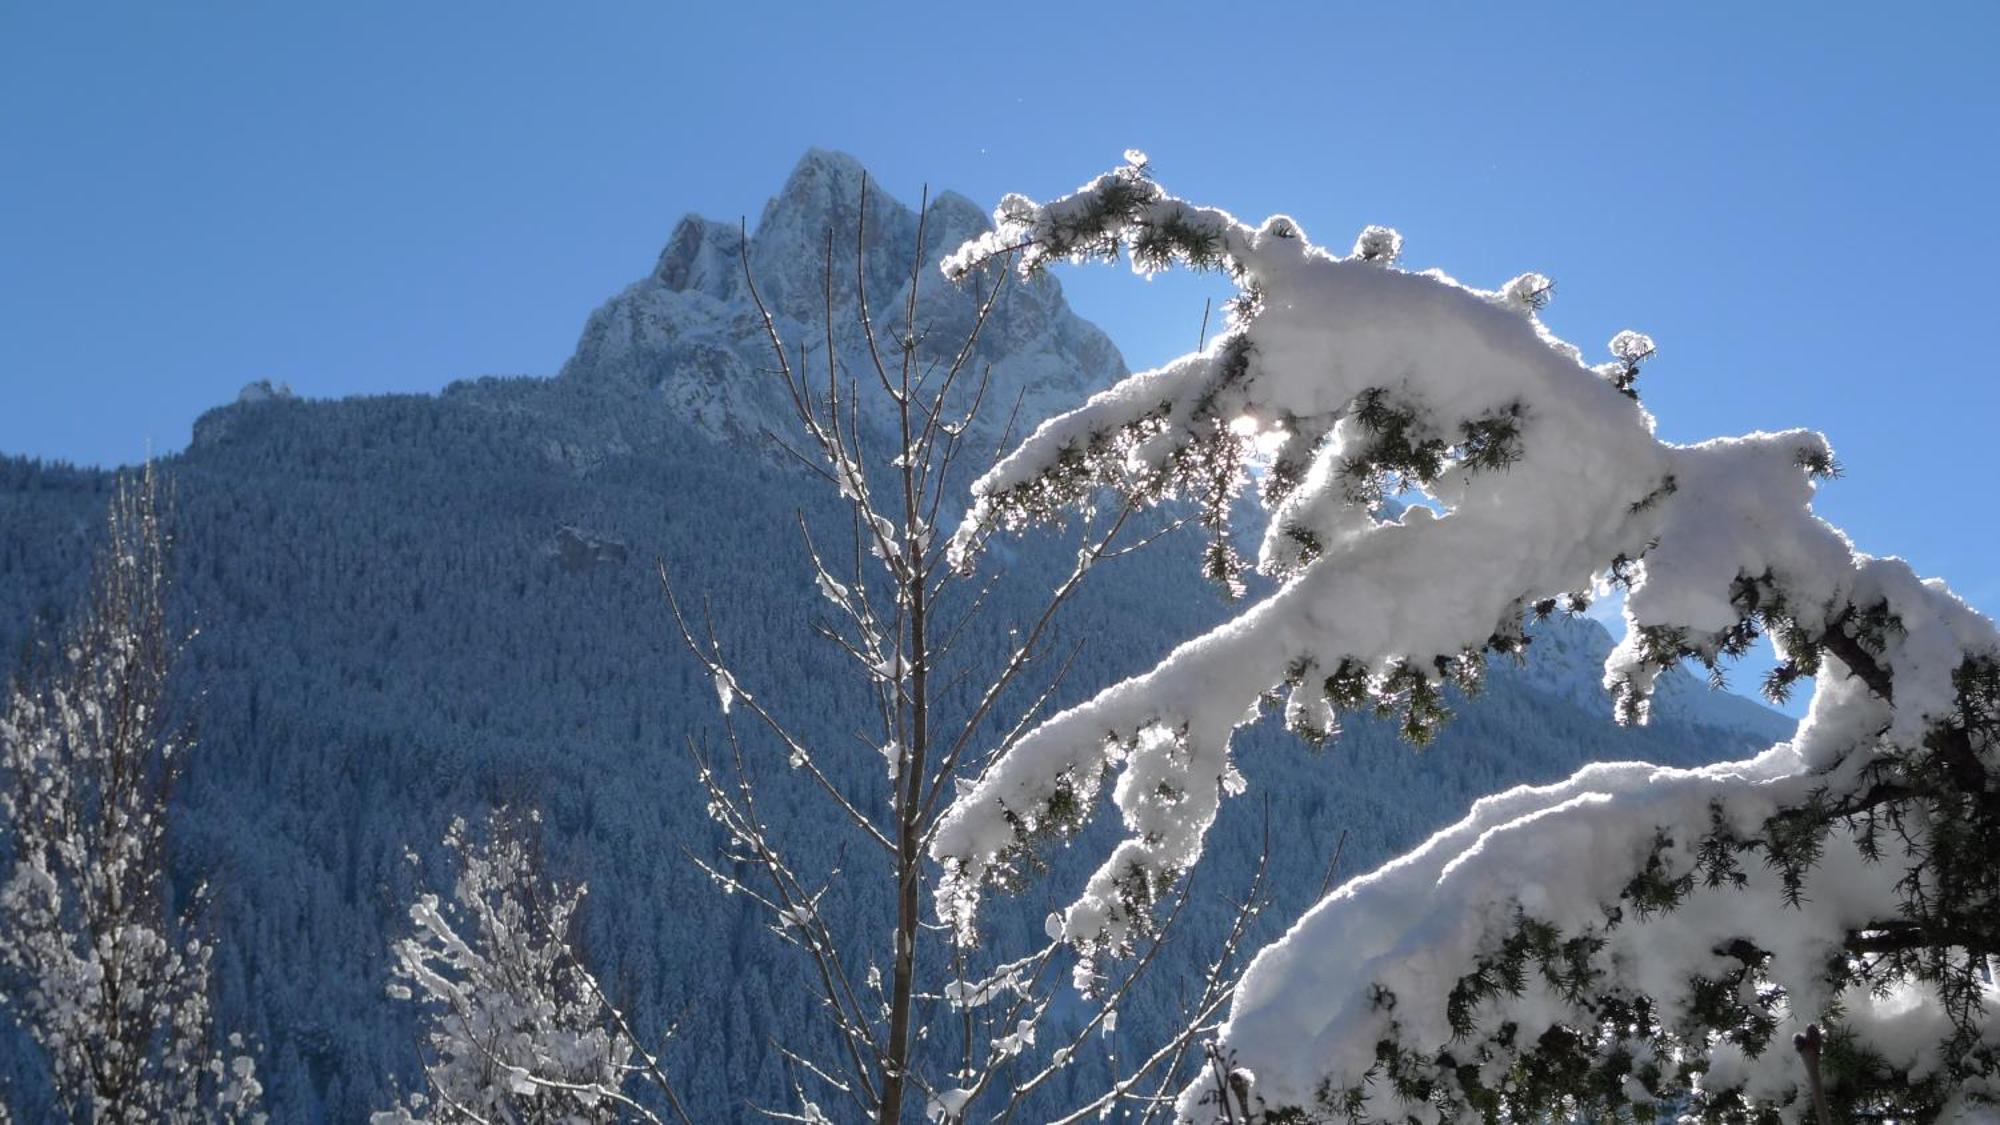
[412,607]
[576,550]
[689,332]
[263,390]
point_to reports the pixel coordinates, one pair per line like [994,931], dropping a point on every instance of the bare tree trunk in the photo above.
[909,861]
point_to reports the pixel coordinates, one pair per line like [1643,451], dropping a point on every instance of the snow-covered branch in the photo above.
[1525,474]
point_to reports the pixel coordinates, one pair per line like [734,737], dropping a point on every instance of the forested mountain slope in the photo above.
[417,606]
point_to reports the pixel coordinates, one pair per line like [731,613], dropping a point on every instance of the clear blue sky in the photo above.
[1796,201]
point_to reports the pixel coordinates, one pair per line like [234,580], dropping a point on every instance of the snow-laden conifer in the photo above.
[1631,936]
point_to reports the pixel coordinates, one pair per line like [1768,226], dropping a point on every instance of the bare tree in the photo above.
[106,973]
[940,1023]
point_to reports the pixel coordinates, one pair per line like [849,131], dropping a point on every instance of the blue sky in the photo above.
[1796,201]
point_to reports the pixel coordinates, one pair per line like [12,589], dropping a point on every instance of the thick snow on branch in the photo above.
[1545,476]
[1385,958]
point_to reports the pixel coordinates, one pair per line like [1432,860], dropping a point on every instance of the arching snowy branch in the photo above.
[1538,474]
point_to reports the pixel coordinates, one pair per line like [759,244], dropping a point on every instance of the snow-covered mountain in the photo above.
[689,332]
[415,606]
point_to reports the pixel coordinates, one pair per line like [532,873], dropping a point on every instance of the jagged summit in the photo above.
[828,161]
[702,256]
[952,219]
[688,334]
[823,185]
[686,342]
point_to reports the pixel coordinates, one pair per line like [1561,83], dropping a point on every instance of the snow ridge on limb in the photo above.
[1366,380]
[1628,937]
[1541,474]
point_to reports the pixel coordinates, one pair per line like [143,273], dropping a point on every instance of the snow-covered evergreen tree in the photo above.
[103,969]
[518,1031]
[1614,943]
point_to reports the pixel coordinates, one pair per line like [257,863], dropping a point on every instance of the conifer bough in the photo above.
[1630,938]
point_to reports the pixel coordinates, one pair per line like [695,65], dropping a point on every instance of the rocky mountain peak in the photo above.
[703,256]
[823,184]
[952,219]
[687,333]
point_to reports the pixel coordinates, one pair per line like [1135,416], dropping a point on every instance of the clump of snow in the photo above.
[947,1105]
[1379,245]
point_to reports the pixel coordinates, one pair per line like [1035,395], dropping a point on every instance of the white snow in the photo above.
[1587,489]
